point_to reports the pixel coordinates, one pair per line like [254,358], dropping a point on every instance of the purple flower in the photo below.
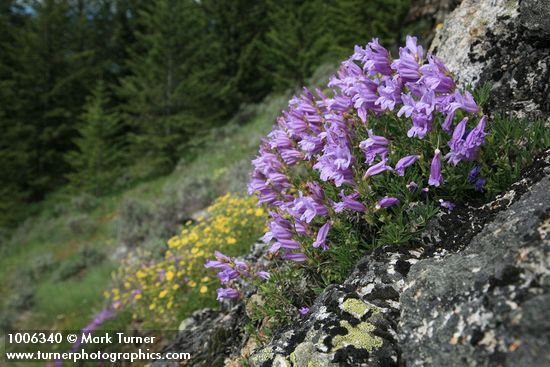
[435,171]
[466,148]
[387,202]
[306,208]
[301,227]
[311,145]
[480,183]
[288,244]
[335,163]
[228,275]
[303,311]
[473,173]
[291,156]
[263,275]
[390,93]
[464,102]
[373,146]
[407,64]
[322,236]
[222,261]
[349,202]
[227,293]
[216,264]
[377,168]
[436,76]
[295,256]
[404,163]
[98,320]
[447,204]
[364,97]
[375,58]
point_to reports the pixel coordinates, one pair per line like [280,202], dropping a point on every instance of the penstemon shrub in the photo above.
[369,159]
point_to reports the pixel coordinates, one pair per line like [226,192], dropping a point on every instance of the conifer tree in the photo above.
[167,93]
[96,161]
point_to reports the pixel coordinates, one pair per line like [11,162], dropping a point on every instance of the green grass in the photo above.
[71,297]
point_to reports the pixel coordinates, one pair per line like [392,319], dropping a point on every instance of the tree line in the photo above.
[95,92]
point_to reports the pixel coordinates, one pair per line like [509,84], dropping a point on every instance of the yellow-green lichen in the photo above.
[262,356]
[357,307]
[359,336]
[305,354]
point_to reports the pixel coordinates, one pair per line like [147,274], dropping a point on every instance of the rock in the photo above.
[390,309]
[486,305]
[425,16]
[209,336]
[506,44]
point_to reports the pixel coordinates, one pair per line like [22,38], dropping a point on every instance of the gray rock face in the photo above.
[474,295]
[486,305]
[209,336]
[505,43]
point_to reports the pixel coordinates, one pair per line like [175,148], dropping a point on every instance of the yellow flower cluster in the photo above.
[232,225]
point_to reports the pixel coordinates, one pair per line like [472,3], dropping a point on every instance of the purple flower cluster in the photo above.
[98,320]
[231,269]
[320,134]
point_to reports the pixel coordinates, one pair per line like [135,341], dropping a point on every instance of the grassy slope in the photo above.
[72,302]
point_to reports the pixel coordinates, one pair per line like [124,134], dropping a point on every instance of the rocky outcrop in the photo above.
[473,295]
[209,336]
[486,305]
[505,43]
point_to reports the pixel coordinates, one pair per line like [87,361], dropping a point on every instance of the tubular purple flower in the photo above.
[408,107]
[334,164]
[322,236]
[404,163]
[298,257]
[387,202]
[289,244]
[349,202]
[436,76]
[228,275]
[465,102]
[448,122]
[447,204]
[311,145]
[216,264]
[409,57]
[306,208]
[373,146]
[473,173]
[227,293]
[390,93]
[263,275]
[303,311]
[466,149]
[435,171]
[301,228]
[316,191]
[291,156]
[480,183]
[422,125]
[377,169]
